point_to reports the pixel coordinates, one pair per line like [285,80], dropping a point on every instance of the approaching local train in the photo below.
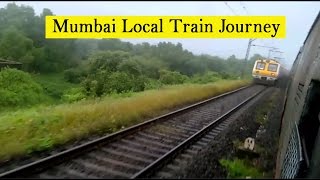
[299,143]
[266,71]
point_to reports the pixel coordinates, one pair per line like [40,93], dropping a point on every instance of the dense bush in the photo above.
[104,82]
[153,84]
[208,77]
[73,94]
[17,88]
[73,75]
[172,77]
[53,84]
[119,82]
[130,66]
[228,76]
[107,60]
[93,84]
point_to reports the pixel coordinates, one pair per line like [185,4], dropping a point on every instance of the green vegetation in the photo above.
[54,84]
[239,168]
[17,88]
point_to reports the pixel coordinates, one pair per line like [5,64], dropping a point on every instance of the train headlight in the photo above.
[272,74]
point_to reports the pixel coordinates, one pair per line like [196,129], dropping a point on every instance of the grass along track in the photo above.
[116,152]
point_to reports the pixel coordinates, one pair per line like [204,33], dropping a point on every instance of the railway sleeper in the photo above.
[224,125]
[155,137]
[196,120]
[192,128]
[214,132]
[196,147]
[187,129]
[206,140]
[219,128]
[119,163]
[140,161]
[137,152]
[153,143]
[199,125]
[72,173]
[55,173]
[208,136]
[58,172]
[202,144]
[105,172]
[81,170]
[150,149]
[179,120]
[183,126]
[192,151]
[176,137]
[168,130]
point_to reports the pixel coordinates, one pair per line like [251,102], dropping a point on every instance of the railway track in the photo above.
[141,150]
[171,165]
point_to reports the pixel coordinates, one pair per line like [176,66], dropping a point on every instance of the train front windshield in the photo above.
[273,67]
[260,65]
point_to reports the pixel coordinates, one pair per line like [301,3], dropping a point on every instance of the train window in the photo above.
[260,65]
[309,128]
[273,67]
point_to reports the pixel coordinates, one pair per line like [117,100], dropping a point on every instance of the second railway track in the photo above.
[137,151]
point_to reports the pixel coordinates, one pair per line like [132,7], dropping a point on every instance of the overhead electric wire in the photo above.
[230,8]
[244,7]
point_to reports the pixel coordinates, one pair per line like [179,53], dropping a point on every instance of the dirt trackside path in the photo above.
[221,159]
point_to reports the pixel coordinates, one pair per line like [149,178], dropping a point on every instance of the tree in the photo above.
[107,60]
[232,58]
[130,66]
[14,45]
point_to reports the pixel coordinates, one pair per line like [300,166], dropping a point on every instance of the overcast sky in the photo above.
[299,16]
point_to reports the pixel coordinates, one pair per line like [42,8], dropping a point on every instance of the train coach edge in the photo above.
[299,143]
